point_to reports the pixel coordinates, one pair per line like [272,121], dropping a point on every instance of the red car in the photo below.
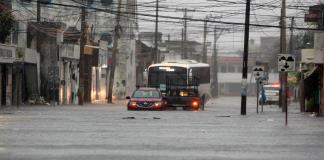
[146,99]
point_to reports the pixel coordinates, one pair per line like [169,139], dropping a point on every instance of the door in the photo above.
[4,81]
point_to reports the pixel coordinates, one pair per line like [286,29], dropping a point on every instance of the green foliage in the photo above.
[6,25]
[293,78]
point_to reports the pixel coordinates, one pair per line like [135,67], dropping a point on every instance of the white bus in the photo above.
[182,82]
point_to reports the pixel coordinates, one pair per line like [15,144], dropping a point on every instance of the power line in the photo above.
[176,22]
[175,18]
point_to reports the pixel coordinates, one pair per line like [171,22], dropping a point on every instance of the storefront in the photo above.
[312,80]
[69,73]
[312,88]
[7,58]
[19,74]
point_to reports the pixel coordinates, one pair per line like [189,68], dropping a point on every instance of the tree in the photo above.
[6,25]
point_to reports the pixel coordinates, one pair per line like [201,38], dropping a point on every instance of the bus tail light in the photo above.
[195,104]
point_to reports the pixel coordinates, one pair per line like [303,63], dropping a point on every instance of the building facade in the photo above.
[59,71]
[69,73]
[19,74]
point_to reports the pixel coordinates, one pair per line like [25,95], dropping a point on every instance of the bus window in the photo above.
[203,74]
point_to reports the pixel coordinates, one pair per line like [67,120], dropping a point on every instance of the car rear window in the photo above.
[146,94]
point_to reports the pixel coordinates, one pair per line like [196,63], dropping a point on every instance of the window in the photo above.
[146,94]
[160,75]
[202,73]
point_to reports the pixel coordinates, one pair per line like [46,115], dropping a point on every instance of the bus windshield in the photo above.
[158,76]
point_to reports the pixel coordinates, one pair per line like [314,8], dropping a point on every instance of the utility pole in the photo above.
[157,55]
[18,86]
[38,11]
[81,61]
[182,45]
[291,48]
[38,40]
[245,57]
[114,54]
[38,26]
[185,35]
[283,50]
[204,55]
[215,67]
[301,87]
[302,92]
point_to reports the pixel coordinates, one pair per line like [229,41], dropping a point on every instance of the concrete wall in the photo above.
[49,53]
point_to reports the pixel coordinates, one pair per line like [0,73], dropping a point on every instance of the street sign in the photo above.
[263,82]
[286,62]
[258,71]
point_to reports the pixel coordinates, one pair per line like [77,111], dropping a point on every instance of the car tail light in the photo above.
[275,85]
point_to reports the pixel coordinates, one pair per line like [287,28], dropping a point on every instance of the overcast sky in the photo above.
[266,12]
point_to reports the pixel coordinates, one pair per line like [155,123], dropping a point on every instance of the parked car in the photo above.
[271,94]
[146,99]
